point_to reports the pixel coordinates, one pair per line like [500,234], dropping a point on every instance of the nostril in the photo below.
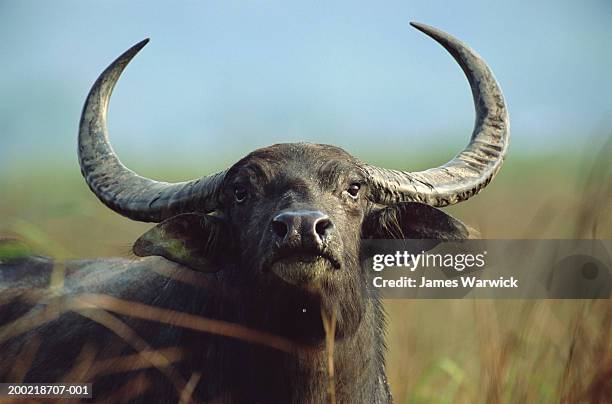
[279,228]
[322,225]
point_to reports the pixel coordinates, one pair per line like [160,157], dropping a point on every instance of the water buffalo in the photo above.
[249,289]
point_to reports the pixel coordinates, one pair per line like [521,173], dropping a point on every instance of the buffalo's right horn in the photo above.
[472,169]
[119,188]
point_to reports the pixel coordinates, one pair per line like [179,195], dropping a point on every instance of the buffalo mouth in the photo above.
[302,267]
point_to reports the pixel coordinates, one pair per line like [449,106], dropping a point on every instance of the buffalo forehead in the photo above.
[298,163]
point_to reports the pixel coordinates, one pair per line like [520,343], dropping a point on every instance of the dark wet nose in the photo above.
[301,228]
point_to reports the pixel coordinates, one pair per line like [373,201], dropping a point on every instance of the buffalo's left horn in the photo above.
[118,187]
[472,169]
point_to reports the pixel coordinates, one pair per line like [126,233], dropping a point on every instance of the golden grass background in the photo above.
[439,351]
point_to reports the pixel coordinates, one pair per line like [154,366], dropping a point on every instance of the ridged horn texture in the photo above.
[472,169]
[119,188]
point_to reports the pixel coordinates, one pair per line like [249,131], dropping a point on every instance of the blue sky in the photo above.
[231,76]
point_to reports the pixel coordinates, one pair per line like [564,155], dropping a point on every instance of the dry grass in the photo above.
[329,324]
[481,351]
[500,351]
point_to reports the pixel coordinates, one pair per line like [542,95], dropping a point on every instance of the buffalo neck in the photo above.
[303,376]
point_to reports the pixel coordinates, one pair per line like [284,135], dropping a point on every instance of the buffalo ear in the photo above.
[191,239]
[413,220]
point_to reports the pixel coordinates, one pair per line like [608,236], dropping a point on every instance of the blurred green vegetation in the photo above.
[50,206]
[12,249]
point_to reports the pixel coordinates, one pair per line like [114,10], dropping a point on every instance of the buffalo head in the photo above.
[289,218]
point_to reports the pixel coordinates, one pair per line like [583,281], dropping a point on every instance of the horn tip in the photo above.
[130,53]
[142,43]
[422,27]
[136,48]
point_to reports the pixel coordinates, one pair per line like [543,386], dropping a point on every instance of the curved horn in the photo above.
[472,169]
[115,185]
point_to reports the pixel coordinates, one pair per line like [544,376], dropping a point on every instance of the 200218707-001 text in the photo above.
[45,390]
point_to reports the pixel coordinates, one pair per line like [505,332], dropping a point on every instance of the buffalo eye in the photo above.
[240,194]
[353,190]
